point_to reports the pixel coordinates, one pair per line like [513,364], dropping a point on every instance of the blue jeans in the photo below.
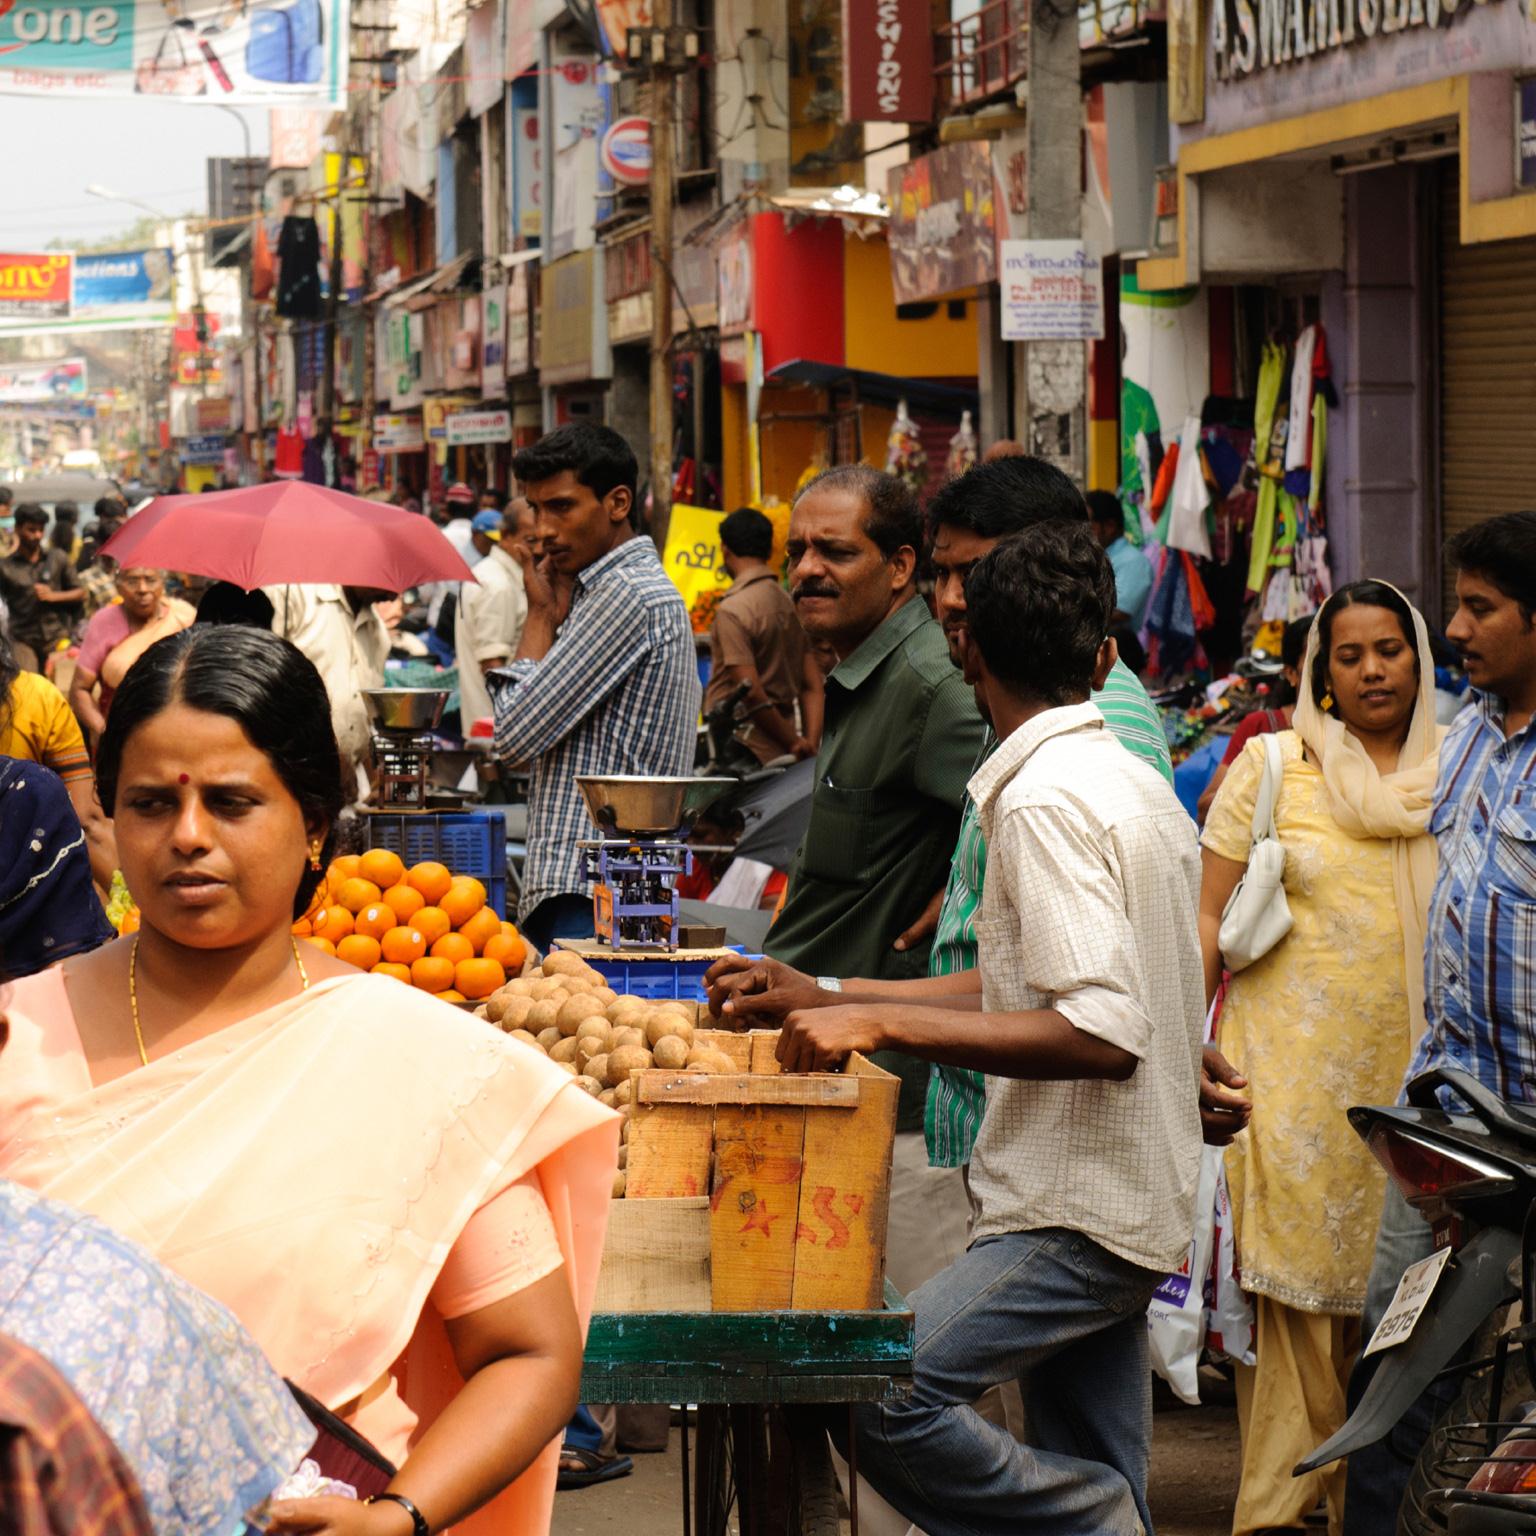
[1378,1475]
[1066,1318]
[567,916]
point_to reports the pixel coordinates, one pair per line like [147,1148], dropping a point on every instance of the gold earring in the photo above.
[1328,701]
[315,847]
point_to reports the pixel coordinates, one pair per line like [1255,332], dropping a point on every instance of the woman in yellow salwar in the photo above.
[403,1206]
[1325,1020]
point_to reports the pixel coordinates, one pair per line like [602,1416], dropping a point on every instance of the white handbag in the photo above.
[1257,915]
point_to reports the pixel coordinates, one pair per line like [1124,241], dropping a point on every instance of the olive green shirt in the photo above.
[901,738]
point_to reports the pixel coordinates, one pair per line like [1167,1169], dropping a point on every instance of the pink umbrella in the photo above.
[289,531]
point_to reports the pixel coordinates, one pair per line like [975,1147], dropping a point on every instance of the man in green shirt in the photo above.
[967,519]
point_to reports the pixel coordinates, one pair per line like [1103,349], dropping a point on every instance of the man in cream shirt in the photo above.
[339,631]
[1088,1031]
[491,611]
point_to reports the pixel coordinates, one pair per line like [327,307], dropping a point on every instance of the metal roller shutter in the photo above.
[1487,375]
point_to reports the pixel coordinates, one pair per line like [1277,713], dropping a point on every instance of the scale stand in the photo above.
[634,900]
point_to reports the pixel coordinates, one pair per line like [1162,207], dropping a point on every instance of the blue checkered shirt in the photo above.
[618,692]
[1480,961]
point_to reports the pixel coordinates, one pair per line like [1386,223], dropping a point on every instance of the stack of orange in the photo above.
[423,925]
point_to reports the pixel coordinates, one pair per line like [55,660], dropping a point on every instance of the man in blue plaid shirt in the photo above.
[1480,961]
[604,680]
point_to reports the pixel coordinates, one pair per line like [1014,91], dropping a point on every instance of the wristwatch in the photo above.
[829,984]
[419,1526]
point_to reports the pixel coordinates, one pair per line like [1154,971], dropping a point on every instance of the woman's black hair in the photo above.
[1369,594]
[263,683]
[10,670]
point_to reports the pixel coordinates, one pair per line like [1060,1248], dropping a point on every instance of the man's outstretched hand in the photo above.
[1223,1111]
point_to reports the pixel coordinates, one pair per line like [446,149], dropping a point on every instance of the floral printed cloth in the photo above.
[206,1424]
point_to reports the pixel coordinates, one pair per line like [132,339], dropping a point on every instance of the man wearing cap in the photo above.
[491,612]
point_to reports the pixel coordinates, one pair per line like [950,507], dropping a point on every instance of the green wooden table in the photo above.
[754,1376]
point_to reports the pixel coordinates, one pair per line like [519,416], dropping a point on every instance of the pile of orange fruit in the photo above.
[424,926]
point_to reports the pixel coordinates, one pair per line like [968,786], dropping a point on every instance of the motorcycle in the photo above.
[1473,1178]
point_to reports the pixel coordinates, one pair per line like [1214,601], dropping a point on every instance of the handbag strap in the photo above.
[1269,791]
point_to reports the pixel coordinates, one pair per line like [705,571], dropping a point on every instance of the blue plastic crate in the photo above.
[655,978]
[468,842]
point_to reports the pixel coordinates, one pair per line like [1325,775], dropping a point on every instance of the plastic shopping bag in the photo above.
[1228,1312]
[1176,1314]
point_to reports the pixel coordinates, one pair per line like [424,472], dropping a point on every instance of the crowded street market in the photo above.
[766,768]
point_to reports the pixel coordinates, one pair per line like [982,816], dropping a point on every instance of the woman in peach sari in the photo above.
[403,1206]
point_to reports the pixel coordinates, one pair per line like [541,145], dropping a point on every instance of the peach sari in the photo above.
[311,1168]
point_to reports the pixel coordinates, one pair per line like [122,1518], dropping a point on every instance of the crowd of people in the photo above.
[998,897]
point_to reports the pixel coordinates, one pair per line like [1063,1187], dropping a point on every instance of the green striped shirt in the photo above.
[957,1097]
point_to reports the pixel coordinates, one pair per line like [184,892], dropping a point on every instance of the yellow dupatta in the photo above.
[1394,806]
[311,1167]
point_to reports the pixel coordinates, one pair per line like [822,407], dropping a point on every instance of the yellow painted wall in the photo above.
[735,477]
[788,447]
[936,347]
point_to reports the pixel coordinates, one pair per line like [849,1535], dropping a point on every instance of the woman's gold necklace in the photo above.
[133,990]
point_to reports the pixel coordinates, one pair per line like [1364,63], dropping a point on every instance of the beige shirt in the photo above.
[486,627]
[1089,907]
[348,651]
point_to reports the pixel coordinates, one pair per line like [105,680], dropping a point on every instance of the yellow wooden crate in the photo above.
[785,1177]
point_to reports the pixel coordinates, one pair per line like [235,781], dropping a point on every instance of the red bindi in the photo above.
[185,778]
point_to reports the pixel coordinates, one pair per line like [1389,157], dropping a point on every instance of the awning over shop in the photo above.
[878,388]
[422,292]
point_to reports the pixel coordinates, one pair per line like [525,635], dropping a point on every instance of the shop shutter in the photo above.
[1487,375]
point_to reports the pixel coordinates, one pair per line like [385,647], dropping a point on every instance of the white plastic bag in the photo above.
[1176,1313]
[1228,1312]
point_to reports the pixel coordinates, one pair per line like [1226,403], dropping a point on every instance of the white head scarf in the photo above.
[1395,806]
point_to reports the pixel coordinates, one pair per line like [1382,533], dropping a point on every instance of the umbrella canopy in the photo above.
[289,531]
[776,813]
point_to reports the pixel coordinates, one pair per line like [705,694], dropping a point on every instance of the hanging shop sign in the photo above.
[398,434]
[263,54]
[493,346]
[206,448]
[466,428]
[1525,133]
[1051,290]
[38,383]
[626,151]
[215,414]
[693,557]
[734,276]
[887,61]
[519,322]
[435,411]
[943,232]
[36,285]
[1250,35]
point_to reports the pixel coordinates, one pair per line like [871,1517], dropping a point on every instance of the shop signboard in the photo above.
[1525,146]
[493,344]
[38,383]
[466,428]
[36,285]
[435,411]
[617,17]
[398,434]
[527,173]
[214,414]
[943,232]
[1051,290]
[693,558]
[206,448]
[887,61]
[195,50]
[734,276]
[626,151]
[566,319]
[519,322]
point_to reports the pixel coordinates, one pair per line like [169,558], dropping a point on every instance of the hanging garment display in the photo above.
[1191,496]
[298,274]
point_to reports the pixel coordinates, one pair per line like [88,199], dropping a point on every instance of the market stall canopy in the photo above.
[289,531]
[878,388]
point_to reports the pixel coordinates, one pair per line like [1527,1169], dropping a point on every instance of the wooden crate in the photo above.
[796,1173]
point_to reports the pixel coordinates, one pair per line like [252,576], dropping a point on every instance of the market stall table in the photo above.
[763,1383]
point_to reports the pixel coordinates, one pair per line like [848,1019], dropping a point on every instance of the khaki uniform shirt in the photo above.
[756,626]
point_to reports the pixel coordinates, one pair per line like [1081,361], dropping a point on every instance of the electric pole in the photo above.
[663,161]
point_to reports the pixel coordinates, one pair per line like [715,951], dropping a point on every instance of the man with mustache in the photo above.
[900,737]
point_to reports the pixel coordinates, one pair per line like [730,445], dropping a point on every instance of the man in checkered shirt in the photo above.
[1088,1030]
[604,680]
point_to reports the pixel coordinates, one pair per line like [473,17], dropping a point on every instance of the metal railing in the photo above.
[986,53]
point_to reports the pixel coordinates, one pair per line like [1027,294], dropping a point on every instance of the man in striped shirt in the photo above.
[966,520]
[604,680]
[1480,959]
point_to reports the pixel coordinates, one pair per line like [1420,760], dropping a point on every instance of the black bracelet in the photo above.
[419,1526]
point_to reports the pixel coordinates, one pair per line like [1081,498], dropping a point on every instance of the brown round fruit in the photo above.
[627,1059]
[549,1038]
[671,1053]
[575,1009]
[564,1051]
[523,1036]
[596,1066]
[589,1085]
[562,963]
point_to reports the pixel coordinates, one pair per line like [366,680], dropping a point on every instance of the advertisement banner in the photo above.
[1052,290]
[263,53]
[37,383]
[36,285]
[519,322]
[943,232]
[204,449]
[214,415]
[469,427]
[693,557]
[493,342]
[887,61]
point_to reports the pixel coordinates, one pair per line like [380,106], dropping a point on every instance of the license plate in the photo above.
[1412,1296]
